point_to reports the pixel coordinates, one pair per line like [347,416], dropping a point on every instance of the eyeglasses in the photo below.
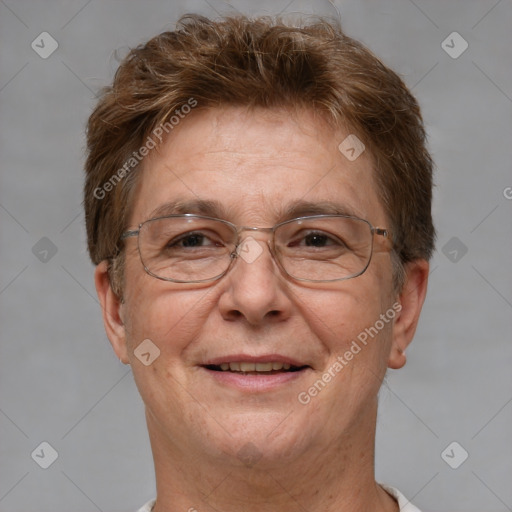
[192,248]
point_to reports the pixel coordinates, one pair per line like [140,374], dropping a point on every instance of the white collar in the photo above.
[403,503]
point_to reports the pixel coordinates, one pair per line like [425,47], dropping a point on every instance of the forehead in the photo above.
[256,166]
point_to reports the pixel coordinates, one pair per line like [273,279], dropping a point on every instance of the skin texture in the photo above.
[317,456]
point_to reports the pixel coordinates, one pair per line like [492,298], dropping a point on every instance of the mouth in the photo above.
[252,368]
[255,373]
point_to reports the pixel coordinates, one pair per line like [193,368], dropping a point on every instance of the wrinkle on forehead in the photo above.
[282,212]
[255,160]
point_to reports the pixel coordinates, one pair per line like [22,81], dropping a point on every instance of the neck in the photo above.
[335,478]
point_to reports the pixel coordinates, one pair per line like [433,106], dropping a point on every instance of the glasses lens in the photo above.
[324,248]
[186,249]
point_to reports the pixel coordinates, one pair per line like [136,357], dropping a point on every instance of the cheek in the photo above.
[355,342]
[171,321]
[349,320]
[170,318]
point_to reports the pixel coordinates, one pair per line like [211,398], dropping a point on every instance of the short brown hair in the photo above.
[260,62]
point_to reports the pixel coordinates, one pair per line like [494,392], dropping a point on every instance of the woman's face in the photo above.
[249,167]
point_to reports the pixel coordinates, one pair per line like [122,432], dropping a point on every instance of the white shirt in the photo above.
[403,503]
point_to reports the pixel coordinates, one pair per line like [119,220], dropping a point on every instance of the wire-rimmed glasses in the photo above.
[189,248]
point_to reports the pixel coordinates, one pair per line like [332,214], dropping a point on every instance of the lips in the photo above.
[267,364]
[255,374]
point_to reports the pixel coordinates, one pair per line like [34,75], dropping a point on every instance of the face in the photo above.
[251,167]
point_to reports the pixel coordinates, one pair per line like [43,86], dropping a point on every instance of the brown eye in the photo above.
[192,240]
[316,240]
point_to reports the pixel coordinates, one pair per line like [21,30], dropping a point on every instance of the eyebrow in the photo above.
[198,206]
[213,208]
[301,208]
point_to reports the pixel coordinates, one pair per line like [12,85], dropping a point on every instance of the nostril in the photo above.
[234,313]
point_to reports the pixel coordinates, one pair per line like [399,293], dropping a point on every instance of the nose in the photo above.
[255,290]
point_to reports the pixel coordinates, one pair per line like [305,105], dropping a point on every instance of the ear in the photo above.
[411,300]
[111,308]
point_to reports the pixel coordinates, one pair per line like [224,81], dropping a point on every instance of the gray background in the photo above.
[61,383]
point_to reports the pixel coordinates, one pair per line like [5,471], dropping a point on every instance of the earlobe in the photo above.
[397,357]
[411,300]
[111,308]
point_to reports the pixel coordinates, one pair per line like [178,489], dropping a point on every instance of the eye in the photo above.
[193,240]
[315,239]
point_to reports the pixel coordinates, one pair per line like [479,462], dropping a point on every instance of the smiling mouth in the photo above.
[248,368]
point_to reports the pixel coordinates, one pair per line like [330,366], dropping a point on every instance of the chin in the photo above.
[257,439]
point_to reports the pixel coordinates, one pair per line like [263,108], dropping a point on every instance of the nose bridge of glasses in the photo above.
[250,248]
[240,229]
[255,230]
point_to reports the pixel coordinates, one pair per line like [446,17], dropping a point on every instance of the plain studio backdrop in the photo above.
[444,420]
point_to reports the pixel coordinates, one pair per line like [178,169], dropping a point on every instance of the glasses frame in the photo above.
[383,232]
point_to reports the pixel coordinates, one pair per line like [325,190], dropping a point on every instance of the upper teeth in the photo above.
[254,367]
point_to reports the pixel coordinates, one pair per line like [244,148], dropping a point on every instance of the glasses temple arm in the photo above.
[128,234]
